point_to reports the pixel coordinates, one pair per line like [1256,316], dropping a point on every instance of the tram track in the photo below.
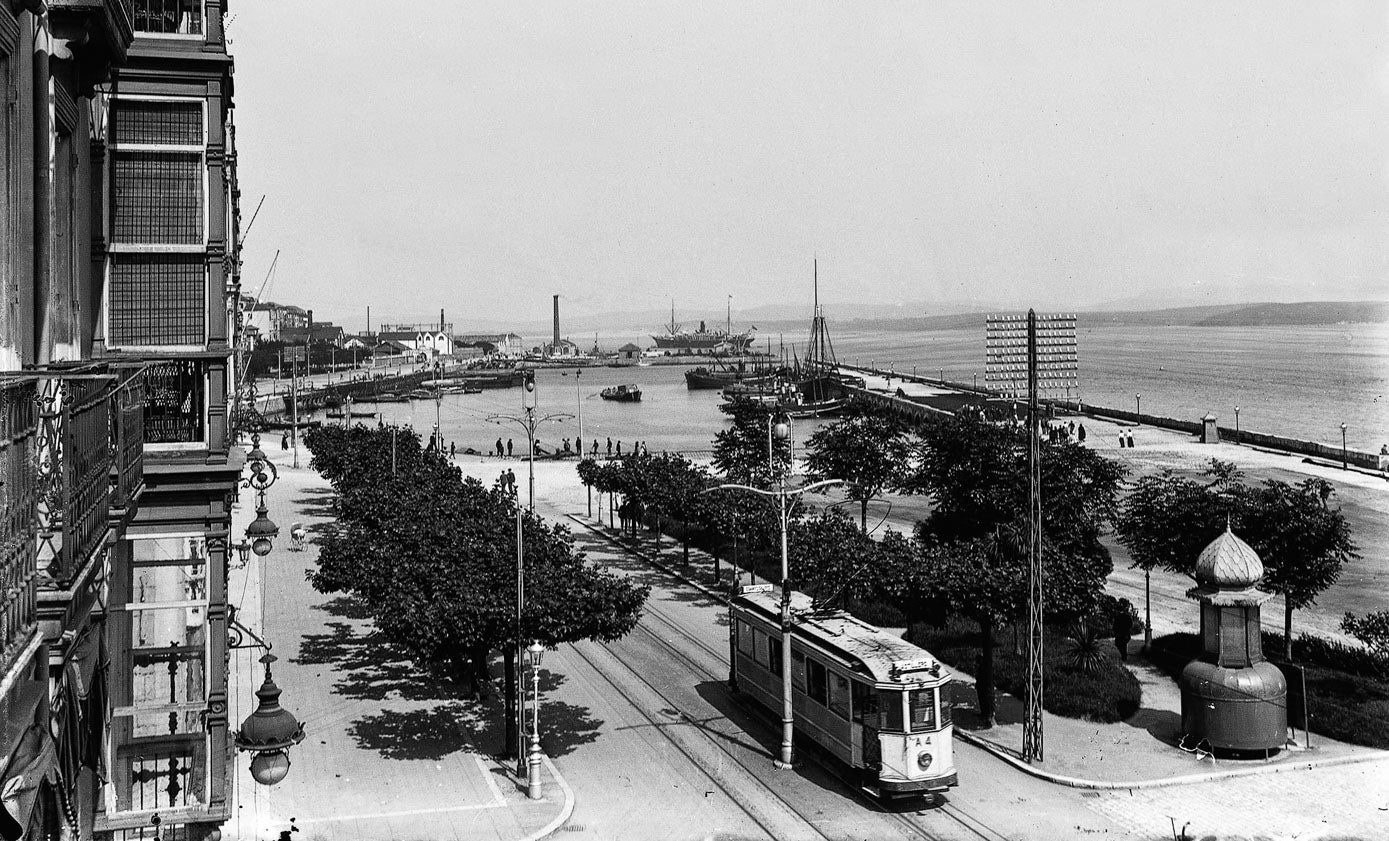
[771,825]
[968,823]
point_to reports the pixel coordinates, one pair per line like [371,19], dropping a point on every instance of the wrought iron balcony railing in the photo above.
[18,503]
[127,437]
[73,471]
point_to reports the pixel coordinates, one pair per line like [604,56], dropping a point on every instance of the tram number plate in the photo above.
[918,741]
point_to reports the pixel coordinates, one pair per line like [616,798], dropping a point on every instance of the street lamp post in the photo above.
[976,380]
[780,430]
[262,531]
[533,758]
[579,402]
[528,422]
[1138,407]
[1343,446]
[1236,426]
[942,376]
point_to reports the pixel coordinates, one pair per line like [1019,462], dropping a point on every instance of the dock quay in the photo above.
[949,397]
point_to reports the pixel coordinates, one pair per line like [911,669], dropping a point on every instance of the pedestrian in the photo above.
[1125,625]
[643,449]
[453,449]
[595,448]
[1080,433]
[1130,437]
[610,447]
[284,441]
[567,449]
[508,447]
[499,448]
[619,448]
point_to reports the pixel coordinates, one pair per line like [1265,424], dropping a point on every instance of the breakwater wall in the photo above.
[917,411]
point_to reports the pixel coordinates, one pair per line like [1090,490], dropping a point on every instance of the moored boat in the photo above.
[626,393]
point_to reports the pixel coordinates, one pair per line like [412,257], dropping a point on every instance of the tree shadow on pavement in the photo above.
[367,669]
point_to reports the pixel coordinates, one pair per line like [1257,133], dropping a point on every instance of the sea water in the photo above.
[1300,382]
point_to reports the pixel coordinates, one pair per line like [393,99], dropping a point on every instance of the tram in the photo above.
[871,701]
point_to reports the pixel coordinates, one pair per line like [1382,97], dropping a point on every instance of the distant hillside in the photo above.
[1309,312]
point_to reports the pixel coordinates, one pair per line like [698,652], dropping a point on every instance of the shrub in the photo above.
[1109,693]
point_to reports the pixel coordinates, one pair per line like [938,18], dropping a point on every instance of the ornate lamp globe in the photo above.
[268,732]
[782,430]
[261,531]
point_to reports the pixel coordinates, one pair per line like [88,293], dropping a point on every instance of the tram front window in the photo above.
[890,705]
[923,710]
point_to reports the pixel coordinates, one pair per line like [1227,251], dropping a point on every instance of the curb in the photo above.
[564,814]
[1161,782]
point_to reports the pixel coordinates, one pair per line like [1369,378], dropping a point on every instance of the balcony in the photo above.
[18,501]
[127,439]
[74,472]
[102,29]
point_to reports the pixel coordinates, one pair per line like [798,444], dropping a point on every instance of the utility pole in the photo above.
[294,412]
[1032,712]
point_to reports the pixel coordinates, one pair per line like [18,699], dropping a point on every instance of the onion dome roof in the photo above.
[1229,563]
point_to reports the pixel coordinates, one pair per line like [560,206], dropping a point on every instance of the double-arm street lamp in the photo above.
[262,530]
[1343,446]
[779,429]
[528,421]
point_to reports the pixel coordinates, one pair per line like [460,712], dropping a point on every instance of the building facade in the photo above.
[119,289]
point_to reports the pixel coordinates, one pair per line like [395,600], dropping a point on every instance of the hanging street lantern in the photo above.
[269,732]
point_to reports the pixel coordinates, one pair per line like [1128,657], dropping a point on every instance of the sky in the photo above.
[482,156]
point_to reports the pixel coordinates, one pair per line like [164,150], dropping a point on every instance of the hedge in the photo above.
[1347,692]
[1110,694]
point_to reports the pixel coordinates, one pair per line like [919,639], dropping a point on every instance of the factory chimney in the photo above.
[441,319]
[556,321]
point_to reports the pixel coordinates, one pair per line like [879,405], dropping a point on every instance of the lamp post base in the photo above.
[781,765]
[533,785]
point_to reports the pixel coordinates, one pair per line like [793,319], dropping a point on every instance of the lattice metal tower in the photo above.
[1032,711]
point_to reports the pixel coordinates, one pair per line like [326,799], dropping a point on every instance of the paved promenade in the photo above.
[391,755]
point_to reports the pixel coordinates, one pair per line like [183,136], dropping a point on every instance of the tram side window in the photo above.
[744,637]
[890,703]
[798,669]
[774,654]
[865,704]
[923,709]
[759,646]
[815,681]
[839,695]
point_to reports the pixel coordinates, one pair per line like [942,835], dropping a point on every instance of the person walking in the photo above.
[453,450]
[1080,433]
[595,448]
[284,441]
[1125,624]
[619,448]
[1130,437]
[610,447]
[499,448]
[508,447]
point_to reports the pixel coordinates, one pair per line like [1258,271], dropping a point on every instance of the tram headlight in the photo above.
[923,761]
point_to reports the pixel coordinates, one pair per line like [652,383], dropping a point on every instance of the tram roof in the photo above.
[888,658]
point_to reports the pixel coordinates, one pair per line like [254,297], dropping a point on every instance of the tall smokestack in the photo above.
[441,319]
[556,320]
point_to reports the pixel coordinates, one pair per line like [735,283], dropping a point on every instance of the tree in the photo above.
[972,543]
[1302,541]
[744,451]
[441,582]
[868,452]
[1167,520]
[1372,629]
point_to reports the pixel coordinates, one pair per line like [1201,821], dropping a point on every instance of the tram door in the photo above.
[865,724]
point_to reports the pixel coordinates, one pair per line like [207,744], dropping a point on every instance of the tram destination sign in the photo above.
[1005,364]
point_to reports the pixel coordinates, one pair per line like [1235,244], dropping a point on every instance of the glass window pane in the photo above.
[774,654]
[166,722]
[890,703]
[169,674]
[839,695]
[158,197]
[798,669]
[157,299]
[923,710]
[865,704]
[167,123]
[815,681]
[744,637]
[169,17]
